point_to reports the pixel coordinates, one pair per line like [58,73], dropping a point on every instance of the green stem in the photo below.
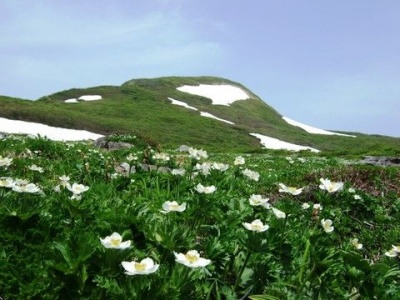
[304,259]
[231,262]
[242,270]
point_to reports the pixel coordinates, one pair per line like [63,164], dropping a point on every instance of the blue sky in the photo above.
[329,64]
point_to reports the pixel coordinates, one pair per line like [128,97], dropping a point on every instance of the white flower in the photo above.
[357,197]
[21,181]
[131,157]
[356,244]
[36,168]
[24,187]
[278,213]
[144,267]
[289,159]
[5,161]
[391,253]
[204,168]
[64,179]
[220,166]
[114,241]
[197,154]
[256,226]
[115,175]
[179,172]
[191,259]
[317,206]
[161,156]
[76,197]
[251,174]
[205,189]
[32,188]
[351,190]
[289,189]
[305,205]
[170,206]
[6,182]
[327,225]
[329,186]
[239,160]
[396,248]
[77,189]
[258,200]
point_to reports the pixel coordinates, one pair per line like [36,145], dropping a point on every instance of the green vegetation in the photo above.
[141,107]
[61,202]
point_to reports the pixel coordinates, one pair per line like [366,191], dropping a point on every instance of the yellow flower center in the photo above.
[192,257]
[140,266]
[256,227]
[115,241]
[174,206]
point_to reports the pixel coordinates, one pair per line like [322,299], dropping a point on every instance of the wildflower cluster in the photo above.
[161,224]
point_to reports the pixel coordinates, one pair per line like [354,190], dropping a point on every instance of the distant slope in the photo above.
[143,107]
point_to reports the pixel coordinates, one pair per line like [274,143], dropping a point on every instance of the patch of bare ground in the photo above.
[373,180]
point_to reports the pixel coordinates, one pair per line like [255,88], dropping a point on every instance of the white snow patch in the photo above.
[311,129]
[224,94]
[72,100]
[90,97]
[52,133]
[202,113]
[180,103]
[208,115]
[272,143]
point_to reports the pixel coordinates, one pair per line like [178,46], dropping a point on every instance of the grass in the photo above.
[141,107]
[51,248]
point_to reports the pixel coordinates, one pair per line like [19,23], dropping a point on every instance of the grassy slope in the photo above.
[142,107]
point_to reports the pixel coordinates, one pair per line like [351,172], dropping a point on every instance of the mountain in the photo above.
[172,111]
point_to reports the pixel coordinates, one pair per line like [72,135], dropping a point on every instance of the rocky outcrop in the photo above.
[104,144]
[382,161]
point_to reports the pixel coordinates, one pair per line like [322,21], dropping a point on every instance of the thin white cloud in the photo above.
[51,50]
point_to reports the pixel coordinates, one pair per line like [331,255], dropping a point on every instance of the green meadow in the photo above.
[78,222]
[141,107]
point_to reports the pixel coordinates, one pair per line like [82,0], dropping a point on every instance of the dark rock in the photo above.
[382,161]
[164,170]
[118,145]
[104,144]
[101,142]
[183,148]
[147,168]
[125,167]
[132,170]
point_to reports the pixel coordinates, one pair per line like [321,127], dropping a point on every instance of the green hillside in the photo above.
[141,107]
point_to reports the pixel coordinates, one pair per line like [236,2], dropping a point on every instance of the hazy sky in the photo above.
[330,64]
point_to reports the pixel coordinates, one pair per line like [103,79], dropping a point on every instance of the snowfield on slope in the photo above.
[272,143]
[219,95]
[313,130]
[223,94]
[52,133]
[181,103]
[84,98]
[208,115]
[202,113]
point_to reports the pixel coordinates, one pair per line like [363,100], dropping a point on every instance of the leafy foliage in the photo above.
[50,240]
